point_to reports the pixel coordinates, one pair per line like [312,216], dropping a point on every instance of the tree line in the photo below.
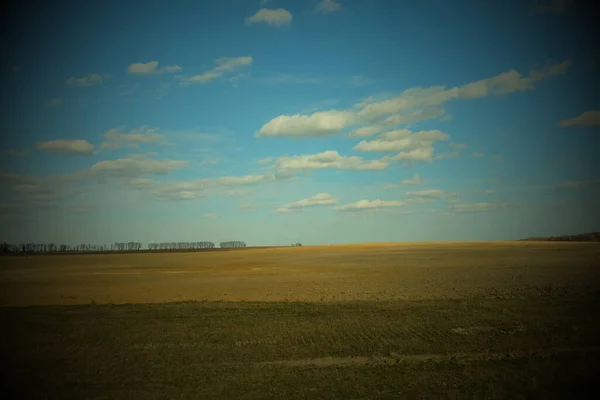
[117,246]
[231,245]
[181,245]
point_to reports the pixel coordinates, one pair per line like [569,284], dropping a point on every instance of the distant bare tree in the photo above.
[232,244]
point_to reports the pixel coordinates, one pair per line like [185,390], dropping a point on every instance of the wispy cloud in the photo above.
[328,159]
[117,137]
[67,147]
[265,160]
[426,195]
[318,200]
[224,65]
[415,180]
[273,17]
[150,68]
[365,205]
[413,104]
[587,118]
[90,80]
[328,6]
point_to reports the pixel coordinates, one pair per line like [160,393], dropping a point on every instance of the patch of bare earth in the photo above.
[388,271]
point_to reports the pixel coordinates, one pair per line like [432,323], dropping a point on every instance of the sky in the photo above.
[312,121]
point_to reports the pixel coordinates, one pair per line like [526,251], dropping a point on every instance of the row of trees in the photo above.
[581,237]
[62,248]
[231,245]
[181,245]
[117,246]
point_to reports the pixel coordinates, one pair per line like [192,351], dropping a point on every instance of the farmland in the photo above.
[387,320]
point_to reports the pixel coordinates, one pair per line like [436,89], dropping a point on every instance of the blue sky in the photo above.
[315,121]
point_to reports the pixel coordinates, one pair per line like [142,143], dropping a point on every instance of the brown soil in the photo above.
[380,271]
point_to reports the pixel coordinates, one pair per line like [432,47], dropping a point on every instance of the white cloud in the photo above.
[319,124]
[424,154]
[414,104]
[224,64]
[471,207]
[143,68]
[547,71]
[203,78]
[190,189]
[52,103]
[318,200]
[383,146]
[364,205]
[139,183]
[118,137]
[396,120]
[415,180]
[232,63]
[426,136]
[511,81]
[244,180]
[368,130]
[170,190]
[504,83]
[67,147]
[150,67]
[211,215]
[328,6]
[404,141]
[408,102]
[273,17]
[172,68]
[587,118]
[34,191]
[133,166]
[91,79]
[179,195]
[328,159]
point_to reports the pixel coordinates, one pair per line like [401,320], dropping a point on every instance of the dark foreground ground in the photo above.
[532,347]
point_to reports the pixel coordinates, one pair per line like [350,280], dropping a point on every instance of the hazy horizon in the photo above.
[279,121]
